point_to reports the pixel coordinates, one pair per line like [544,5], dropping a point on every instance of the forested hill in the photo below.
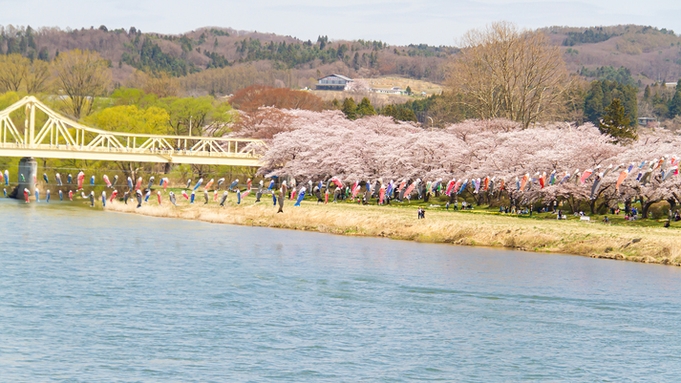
[648,54]
[215,48]
[223,60]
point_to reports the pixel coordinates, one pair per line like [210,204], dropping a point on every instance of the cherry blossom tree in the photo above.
[319,145]
[358,86]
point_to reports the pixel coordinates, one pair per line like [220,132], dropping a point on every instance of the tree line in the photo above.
[148,56]
[503,72]
[661,101]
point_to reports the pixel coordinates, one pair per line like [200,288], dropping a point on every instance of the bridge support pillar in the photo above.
[28,173]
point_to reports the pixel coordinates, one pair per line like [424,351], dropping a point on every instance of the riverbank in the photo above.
[592,239]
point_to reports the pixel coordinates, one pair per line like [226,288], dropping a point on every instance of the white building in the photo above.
[393,90]
[333,82]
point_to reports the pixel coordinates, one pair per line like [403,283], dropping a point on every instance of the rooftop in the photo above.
[339,76]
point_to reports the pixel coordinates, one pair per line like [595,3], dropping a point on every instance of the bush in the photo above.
[659,210]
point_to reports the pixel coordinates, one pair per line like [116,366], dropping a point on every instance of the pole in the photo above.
[32,123]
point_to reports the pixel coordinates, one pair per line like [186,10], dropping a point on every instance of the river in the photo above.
[93,296]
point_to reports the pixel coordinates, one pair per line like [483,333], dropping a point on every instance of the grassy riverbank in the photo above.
[637,242]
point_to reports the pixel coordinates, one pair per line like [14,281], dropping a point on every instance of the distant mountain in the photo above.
[215,48]
[649,54]
[223,60]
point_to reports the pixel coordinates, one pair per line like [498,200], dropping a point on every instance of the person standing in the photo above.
[282,194]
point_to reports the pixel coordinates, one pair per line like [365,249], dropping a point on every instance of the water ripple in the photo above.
[88,296]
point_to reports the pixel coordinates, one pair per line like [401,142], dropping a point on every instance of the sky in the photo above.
[397,22]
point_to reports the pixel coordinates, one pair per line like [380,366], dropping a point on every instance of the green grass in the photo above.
[434,205]
[615,220]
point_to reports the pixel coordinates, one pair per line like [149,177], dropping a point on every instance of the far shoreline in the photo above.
[655,245]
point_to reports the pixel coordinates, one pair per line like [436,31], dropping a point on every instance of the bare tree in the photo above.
[161,84]
[81,75]
[508,73]
[37,76]
[19,73]
[13,70]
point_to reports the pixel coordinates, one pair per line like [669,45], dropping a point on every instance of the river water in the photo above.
[92,296]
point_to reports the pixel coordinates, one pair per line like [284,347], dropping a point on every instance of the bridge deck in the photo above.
[111,154]
[63,138]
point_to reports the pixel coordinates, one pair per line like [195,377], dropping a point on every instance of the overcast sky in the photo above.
[436,22]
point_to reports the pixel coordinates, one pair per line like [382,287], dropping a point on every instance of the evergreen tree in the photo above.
[616,123]
[408,90]
[349,108]
[600,95]
[389,110]
[406,114]
[399,112]
[646,92]
[23,45]
[630,102]
[355,61]
[675,103]
[593,103]
[43,54]
[365,108]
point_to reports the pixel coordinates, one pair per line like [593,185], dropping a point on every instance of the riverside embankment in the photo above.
[476,228]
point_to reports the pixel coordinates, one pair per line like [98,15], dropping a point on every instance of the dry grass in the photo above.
[417,86]
[382,99]
[639,244]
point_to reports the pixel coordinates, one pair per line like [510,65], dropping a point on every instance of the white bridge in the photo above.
[60,137]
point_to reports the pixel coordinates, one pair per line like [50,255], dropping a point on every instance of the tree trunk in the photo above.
[672,205]
[571,201]
[646,207]
[478,199]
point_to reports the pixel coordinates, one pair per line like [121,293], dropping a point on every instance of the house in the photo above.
[393,90]
[647,121]
[333,82]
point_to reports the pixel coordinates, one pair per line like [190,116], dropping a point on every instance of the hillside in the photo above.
[218,51]
[650,54]
[220,61]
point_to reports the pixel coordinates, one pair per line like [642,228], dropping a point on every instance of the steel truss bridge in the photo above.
[60,137]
